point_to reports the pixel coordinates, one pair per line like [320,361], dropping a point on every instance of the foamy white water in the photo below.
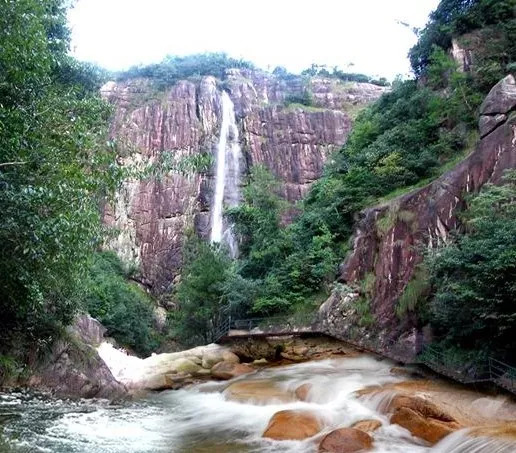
[227,176]
[201,419]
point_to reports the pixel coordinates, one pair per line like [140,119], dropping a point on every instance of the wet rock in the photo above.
[302,391]
[260,391]
[212,357]
[428,429]
[184,365]
[422,418]
[229,370]
[367,426]
[74,368]
[292,425]
[345,440]
[260,362]
[89,330]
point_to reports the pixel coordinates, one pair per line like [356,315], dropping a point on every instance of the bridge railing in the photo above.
[502,374]
[493,371]
[454,368]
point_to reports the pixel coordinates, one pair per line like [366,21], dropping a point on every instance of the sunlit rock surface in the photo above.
[292,140]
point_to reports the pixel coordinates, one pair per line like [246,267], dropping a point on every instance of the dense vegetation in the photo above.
[474,278]
[408,137]
[120,305]
[55,167]
[175,68]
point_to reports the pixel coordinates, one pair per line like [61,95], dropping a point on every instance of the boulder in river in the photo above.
[302,391]
[368,426]
[258,391]
[230,370]
[292,425]
[345,440]
[422,418]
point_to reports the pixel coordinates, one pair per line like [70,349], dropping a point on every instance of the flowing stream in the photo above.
[203,419]
[227,176]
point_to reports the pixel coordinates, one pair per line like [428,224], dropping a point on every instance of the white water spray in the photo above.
[227,177]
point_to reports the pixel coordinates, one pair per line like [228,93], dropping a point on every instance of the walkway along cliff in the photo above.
[389,239]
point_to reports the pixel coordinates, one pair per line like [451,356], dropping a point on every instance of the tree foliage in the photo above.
[119,304]
[175,68]
[201,293]
[456,17]
[474,277]
[54,169]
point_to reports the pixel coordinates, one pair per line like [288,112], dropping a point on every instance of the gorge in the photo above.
[200,255]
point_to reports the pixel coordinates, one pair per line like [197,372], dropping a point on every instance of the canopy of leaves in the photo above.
[119,304]
[55,169]
[455,17]
[201,292]
[475,277]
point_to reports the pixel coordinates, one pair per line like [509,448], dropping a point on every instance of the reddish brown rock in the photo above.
[390,251]
[428,429]
[259,391]
[346,440]
[367,426]
[422,418]
[292,425]
[152,215]
[229,370]
[302,391]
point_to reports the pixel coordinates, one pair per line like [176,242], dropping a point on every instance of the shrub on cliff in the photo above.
[120,304]
[473,306]
[175,68]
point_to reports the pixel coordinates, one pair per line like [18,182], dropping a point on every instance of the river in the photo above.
[203,419]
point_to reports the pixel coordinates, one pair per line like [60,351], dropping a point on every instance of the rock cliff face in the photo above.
[389,239]
[292,140]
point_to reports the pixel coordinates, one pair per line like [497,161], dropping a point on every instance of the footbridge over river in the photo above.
[491,371]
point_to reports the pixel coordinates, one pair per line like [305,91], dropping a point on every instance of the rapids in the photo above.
[201,419]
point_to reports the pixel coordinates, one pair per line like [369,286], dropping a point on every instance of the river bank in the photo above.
[319,404]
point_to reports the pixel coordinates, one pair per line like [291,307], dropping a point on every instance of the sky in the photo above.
[356,35]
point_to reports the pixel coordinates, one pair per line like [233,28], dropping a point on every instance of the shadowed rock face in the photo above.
[74,368]
[425,217]
[293,141]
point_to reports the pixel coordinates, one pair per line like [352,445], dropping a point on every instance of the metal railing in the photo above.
[494,371]
[502,374]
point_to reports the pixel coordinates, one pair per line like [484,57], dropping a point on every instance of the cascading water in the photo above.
[227,176]
[205,419]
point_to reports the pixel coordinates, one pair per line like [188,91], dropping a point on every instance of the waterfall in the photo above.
[227,176]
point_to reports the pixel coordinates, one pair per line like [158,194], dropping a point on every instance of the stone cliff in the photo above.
[389,239]
[292,140]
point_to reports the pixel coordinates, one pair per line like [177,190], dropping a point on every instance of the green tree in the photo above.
[55,168]
[475,277]
[201,293]
[119,304]
[257,221]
